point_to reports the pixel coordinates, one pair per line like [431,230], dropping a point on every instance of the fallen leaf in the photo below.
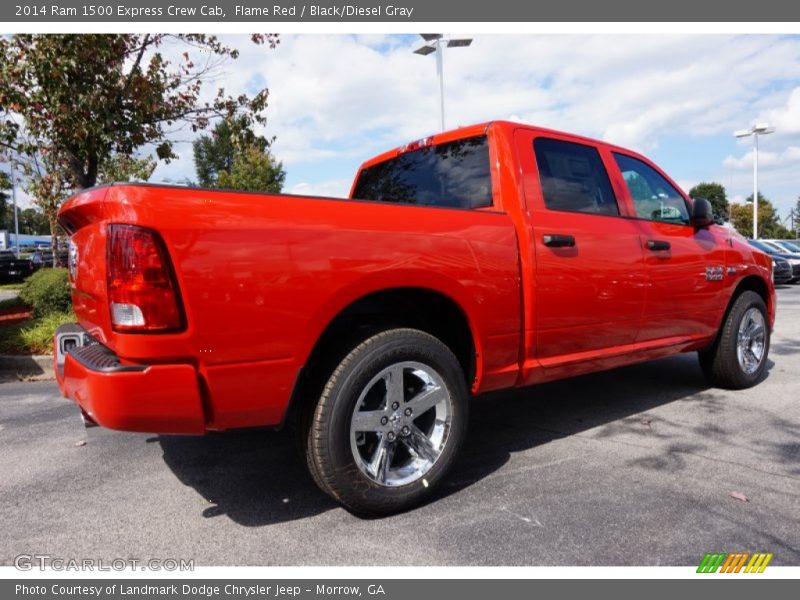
[81,443]
[740,496]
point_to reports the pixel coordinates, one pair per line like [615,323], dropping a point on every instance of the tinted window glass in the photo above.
[653,196]
[455,174]
[573,178]
[761,246]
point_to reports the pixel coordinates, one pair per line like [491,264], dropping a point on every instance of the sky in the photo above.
[336,100]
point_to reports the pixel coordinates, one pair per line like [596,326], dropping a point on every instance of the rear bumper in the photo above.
[145,398]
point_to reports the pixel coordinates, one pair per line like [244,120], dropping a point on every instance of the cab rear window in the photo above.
[455,175]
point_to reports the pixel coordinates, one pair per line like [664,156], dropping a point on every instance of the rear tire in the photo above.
[738,357]
[389,423]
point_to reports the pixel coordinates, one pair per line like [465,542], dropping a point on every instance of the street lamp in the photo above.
[436,42]
[756,130]
[10,160]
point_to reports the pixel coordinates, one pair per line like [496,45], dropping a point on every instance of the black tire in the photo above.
[330,456]
[720,362]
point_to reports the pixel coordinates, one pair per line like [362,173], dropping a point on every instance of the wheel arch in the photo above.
[753,283]
[425,308]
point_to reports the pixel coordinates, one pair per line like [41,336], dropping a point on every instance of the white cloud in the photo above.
[337,99]
[786,118]
[765,159]
[359,94]
[333,188]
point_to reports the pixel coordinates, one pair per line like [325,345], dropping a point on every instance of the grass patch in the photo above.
[34,336]
[11,287]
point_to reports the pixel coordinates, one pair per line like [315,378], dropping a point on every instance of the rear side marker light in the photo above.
[142,292]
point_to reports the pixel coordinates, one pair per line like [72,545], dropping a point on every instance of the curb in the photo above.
[25,366]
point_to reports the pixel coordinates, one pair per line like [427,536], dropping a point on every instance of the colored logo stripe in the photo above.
[758,563]
[711,562]
[733,563]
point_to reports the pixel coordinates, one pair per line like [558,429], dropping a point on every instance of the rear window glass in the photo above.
[455,175]
[573,178]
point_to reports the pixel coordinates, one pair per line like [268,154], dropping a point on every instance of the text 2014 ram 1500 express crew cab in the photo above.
[493,256]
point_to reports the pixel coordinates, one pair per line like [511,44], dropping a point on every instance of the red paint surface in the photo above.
[261,276]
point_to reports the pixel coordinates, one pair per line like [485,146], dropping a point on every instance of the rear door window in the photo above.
[455,174]
[573,178]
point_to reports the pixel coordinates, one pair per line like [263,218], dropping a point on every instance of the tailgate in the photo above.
[82,217]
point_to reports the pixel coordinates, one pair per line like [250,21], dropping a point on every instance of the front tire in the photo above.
[389,423]
[738,357]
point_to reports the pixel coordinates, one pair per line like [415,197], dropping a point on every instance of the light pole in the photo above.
[10,160]
[436,42]
[756,130]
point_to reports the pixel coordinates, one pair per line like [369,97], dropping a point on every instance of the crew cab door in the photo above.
[685,266]
[588,285]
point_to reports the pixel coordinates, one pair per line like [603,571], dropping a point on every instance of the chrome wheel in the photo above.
[400,424]
[751,340]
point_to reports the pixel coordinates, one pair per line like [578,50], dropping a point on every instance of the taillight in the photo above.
[141,290]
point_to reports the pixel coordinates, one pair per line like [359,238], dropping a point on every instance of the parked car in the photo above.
[489,257]
[13,269]
[44,258]
[776,252]
[792,246]
[781,271]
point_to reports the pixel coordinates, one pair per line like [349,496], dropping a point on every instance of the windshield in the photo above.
[455,174]
[762,246]
[790,246]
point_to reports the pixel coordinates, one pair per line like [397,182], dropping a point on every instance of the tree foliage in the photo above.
[715,193]
[87,98]
[253,170]
[233,156]
[30,221]
[769,223]
[120,167]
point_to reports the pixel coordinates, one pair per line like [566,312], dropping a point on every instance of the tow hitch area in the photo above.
[70,337]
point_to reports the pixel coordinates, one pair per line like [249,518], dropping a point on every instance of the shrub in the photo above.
[37,338]
[47,291]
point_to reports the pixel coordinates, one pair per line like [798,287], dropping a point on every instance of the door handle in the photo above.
[657,245]
[555,240]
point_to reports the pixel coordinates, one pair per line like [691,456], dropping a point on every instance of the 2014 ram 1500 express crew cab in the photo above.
[492,256]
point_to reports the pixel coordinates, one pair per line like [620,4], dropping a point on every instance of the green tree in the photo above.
[253,170]
[120,167]
[216,153]
[716,195]
[796,219]
[769,224]
[32,222]
[85,98]
[49,184]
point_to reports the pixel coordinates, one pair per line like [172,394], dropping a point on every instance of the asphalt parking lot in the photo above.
[635,466]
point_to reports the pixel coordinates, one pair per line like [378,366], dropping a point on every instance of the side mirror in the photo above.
[702,213]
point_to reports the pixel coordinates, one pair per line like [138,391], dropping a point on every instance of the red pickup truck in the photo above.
[492,256]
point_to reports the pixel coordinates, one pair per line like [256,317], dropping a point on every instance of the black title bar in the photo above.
[402,11]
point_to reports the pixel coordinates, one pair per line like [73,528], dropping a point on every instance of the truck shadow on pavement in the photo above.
[257,477]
